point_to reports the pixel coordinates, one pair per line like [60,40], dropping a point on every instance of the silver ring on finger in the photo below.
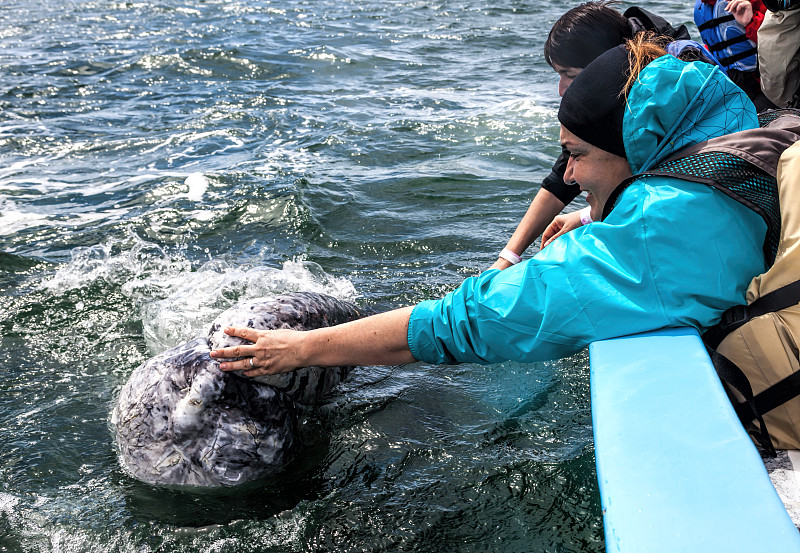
[252,365]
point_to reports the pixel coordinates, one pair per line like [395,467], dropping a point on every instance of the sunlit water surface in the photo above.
[160,161]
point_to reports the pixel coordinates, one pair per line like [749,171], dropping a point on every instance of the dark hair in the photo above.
[583,33]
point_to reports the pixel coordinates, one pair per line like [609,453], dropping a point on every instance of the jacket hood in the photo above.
[675,104]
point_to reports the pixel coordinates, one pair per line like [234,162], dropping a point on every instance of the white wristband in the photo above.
[510,256]
[586,216]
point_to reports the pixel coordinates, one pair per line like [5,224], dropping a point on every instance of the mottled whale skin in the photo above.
[181,421]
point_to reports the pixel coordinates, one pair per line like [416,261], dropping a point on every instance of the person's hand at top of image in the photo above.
[742,11]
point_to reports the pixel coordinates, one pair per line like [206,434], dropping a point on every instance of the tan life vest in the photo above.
[767,348]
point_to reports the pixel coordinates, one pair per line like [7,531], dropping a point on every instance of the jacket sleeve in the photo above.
[573,292]
[625,275]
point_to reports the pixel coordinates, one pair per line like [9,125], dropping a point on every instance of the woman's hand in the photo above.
[742,11]
[271,352]
[561,224]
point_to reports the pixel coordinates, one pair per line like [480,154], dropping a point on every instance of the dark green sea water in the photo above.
[160,161]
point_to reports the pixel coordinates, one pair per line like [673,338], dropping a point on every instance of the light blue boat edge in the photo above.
[677,472]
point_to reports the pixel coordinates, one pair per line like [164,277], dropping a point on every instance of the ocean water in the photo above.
[160,161]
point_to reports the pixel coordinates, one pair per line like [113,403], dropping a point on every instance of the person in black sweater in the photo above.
[577,38]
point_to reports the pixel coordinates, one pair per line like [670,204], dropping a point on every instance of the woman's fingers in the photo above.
[250,334]
[257,372]
[231,352]
[238,365]
[546,243]
[270,352]
[562,224]
[242,350]
[555,229]
[563,230]
[550,232]
[742,11]
[251,358]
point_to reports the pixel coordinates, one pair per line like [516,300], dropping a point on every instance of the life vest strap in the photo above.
[747,411]
[736,57]
[730,42]
[738,315]
[756,187]
[778,394]
[711,23]
[733,176]
[754,407]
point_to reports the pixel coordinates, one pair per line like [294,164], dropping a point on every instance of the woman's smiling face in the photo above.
[596,171]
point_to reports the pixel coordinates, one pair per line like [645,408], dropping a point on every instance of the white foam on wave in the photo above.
[528,108]
[198,184]
[282,155]
[17,166]
[176,299]
[13,219]
[8,503]
[115,262]
[31,520]
[192,300]
[191,138]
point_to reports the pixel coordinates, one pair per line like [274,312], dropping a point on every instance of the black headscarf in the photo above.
[594,104]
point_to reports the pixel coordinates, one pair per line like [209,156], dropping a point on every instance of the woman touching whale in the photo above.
[633,270]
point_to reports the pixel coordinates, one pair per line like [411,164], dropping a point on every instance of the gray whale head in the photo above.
[181,421]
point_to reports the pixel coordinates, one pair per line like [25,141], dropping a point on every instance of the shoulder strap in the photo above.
[731,175]
[754,407]
[728,60]
[713,22]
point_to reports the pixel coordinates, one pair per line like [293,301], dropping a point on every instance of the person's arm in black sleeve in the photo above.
[548,202]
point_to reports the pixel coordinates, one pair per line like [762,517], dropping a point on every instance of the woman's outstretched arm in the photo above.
[377,340]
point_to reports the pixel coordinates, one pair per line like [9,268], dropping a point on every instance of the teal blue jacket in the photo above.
[671,253]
